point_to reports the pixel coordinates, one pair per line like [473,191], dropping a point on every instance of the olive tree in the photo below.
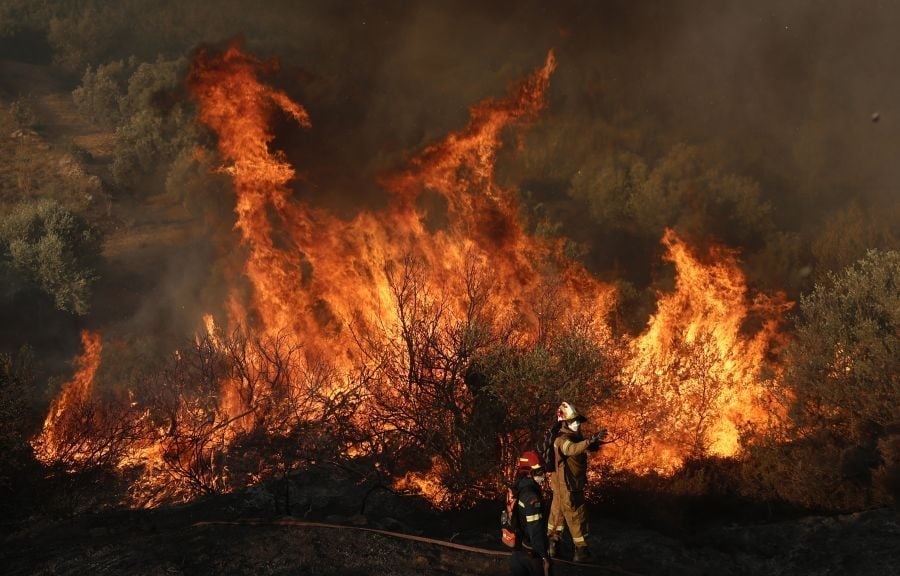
[56,249]
[844,373]
[845,360]
[97,98]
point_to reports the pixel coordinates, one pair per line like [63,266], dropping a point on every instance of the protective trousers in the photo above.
[567,508]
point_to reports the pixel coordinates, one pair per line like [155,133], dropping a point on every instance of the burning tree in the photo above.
[437,343]
[384,295]
[84,430]
[424,402]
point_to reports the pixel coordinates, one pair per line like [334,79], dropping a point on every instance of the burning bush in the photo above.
[231,410]
[83,430]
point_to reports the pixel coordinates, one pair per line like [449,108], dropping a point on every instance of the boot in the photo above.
[582,554]
[553,548]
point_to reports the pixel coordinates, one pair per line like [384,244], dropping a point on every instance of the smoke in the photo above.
[785,91]
[797,101]
[781,94]
[769,129]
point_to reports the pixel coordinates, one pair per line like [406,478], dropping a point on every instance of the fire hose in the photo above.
[413,537]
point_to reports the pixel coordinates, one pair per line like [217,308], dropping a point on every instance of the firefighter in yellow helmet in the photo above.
[569,480]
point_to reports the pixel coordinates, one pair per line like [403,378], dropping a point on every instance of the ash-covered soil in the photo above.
[338,526]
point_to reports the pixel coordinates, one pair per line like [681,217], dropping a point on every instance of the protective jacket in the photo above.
[568,483]
[530,514]
[529,559]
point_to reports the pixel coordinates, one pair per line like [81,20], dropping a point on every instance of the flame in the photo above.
[428,484]
[319,286]
[331,271]
[324,275]
[51,444]
[695,376]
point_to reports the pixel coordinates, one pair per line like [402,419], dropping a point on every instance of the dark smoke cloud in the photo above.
[784,92]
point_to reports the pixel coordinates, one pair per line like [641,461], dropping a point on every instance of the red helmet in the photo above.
[529,461]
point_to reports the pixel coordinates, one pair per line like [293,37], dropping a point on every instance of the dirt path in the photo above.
[58,122]
[63,155]
[62,124]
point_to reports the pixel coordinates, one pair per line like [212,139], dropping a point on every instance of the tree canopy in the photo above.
[55,249]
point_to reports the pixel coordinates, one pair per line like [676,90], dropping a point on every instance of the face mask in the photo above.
[574,425]
[539,479]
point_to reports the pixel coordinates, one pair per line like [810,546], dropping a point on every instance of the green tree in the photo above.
[844,371]
[150,85]
[155,128]
[54,248]
[607,183]
[98,96]
[82,33]
[139,141]
[17,16]
[531,381]
[686,192]
[851,229]
[845,361]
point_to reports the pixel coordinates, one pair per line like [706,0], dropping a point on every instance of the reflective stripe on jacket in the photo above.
[530,510]
[572,461]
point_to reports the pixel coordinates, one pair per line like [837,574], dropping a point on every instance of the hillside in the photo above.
[139,230]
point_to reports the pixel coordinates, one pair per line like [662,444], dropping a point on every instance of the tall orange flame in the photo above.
[696,375]
[72,396]
[327,271]
[325,274]
[319,284]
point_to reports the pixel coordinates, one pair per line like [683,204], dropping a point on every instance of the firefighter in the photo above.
[569,480]
[533,558]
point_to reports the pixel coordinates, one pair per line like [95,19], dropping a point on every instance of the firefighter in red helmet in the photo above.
[532,558]
[569,480]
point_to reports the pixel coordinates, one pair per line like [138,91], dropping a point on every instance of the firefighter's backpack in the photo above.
[509,518]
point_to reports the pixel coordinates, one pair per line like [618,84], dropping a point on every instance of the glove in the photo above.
[596,440]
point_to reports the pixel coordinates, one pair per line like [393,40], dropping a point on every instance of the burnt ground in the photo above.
[346,526]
